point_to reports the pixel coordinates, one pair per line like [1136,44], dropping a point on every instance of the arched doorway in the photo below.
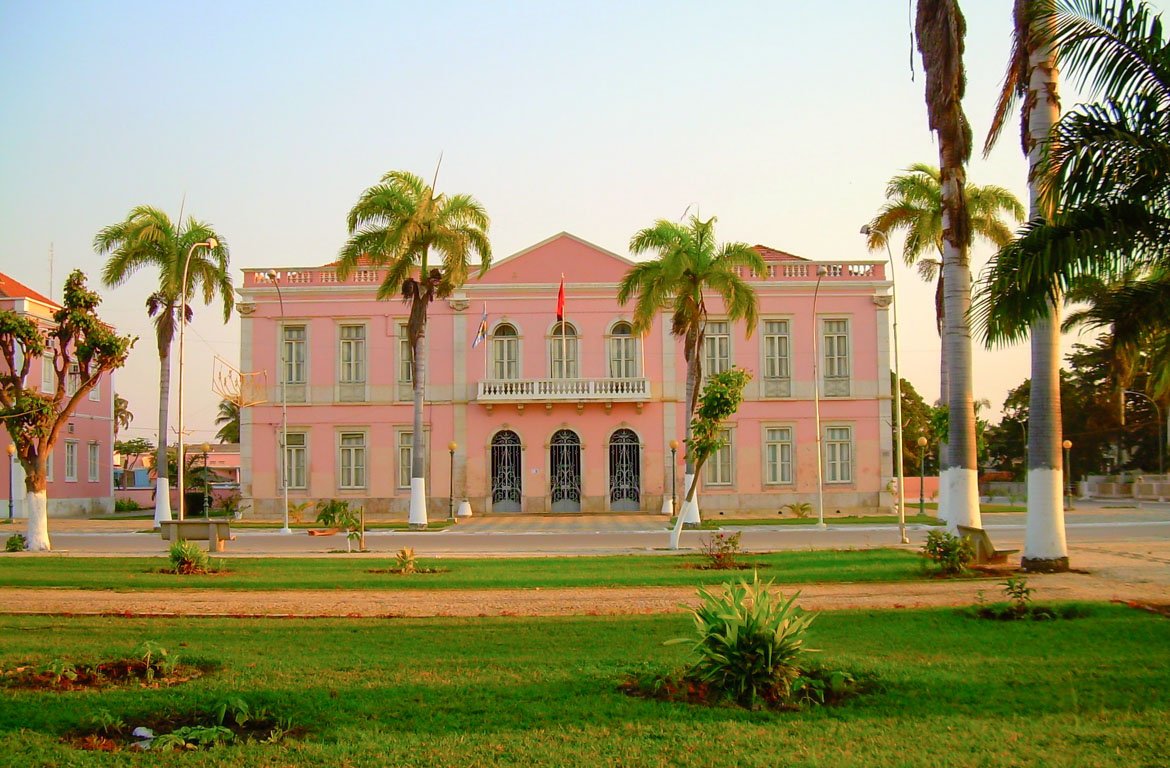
[565,471]
[625,472]
[507,472]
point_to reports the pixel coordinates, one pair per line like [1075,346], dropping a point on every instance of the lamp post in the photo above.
[821,272]
[11,473]
[673,467]
[451,446]
[1158,424]
[206,488]
[1068,468]
[921,476]
[865,230]
[210,244]
[274,277]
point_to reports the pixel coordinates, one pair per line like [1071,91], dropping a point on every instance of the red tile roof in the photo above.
[14,289]
[771,254]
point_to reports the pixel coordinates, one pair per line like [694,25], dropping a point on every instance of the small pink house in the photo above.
[81,465]
[544,417]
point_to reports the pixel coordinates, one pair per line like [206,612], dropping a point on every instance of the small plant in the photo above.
[231,506]
[297,510]
[1017,590]
[60,670]
[952,554]
[16,543]
[106,723]
[800,509]
[404,561]
[126,505]
[188,558]
[194,737]
[335,513]
[722,551]
[232,709]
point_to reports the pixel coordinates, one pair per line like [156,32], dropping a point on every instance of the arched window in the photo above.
[623,352]
[505,352]
[563,352]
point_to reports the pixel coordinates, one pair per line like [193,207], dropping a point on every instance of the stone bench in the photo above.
[214,532]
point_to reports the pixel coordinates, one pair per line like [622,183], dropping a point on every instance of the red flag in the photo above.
[561,301]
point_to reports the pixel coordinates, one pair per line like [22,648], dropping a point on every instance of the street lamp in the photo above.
[1157,422]
[865,230]
[210,244]
[821,272]
[673,467]
[11,472]
[921,476]
[451,446]
[274,278]
[206,489]
[1068,468]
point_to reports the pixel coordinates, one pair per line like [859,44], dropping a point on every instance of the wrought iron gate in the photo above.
[625,472]
[507,477]
[565,471]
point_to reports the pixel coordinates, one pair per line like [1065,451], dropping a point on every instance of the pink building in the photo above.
[578,418]
[81,464]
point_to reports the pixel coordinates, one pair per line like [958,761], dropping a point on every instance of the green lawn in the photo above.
[352,572]
[716,522]
[541,692]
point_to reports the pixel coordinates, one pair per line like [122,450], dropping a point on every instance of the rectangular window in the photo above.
[836,346]
[92,469]
[623,355]
[405,360]
[719,467]
[839,455]
[294,354]
[506,356]
[73,382]
[352,460]
[294,460]
[352,354]
[405,456]
[49,467]
[71,461]
[717,347]
[778,455]
[777,372]
[563,352]
[48,373]
[95,394]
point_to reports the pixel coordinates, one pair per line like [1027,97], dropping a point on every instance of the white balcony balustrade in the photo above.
[576,390]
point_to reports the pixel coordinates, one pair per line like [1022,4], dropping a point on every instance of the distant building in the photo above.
[563,418]
[81,465]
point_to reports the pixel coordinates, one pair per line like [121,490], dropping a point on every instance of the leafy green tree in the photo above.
[396,224]
[228,421]
[34,419]
[148,239]
[916,420]
[689,263]
[131,451]
[122,414]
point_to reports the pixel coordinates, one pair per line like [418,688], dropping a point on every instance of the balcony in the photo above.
[521,392]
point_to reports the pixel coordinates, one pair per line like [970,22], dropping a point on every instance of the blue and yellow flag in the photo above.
[481,334]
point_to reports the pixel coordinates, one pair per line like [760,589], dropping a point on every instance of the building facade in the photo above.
[547,417]
[80,466]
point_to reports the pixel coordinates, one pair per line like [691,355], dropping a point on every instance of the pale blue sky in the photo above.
[784,118]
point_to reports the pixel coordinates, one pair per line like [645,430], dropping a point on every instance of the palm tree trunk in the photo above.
[690,506]
[418,456]
[944,382]
[1045,547]
[162,483]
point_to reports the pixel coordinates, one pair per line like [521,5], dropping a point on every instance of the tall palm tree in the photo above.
[689,262]
[396,224]
[122,414]
[1032,77]
[228,421]
[940,29]
[149,239]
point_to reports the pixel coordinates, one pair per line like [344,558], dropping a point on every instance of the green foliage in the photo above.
[749,642]
[1017,590]
[233,709]
[126,505]
[952,554]
[335,513]
[404,561]
[819,686]
[194,737]
[188,558]
[230,505]
[722,551]
[228,421]
[60,670]
[105,722]
[16,543]
[800,509]
[722,394]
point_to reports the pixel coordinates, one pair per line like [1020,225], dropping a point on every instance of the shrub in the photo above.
[722,551]
[404,561]
[952,554]
[801,509]
[230,505]
[335,513]
[187,557]
[16,543]
[126,505]
[1017,590]
[749,642]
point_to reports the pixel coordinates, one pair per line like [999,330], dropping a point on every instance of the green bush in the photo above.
[404,561]
[722,551]
[187,557]
[126,505]
[749,642]
[16,543]
[952,554]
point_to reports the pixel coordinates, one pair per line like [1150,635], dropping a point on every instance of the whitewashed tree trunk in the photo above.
[418,483]
[690,506]
[1045,546]
[36,503]
[944,398]
[162,485]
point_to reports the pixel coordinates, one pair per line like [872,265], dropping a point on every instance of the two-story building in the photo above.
[80,468]
[542,416]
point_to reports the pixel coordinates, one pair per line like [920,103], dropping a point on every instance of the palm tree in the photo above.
[148,238]
[1032,77]
[122,414]
[689,262]
[228,421]
[940,29]
[396,223]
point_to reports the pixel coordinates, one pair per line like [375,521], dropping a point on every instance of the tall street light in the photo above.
[673,467]
[1157,423]
[821,272]
[274,278]
[210,244]
[451,446]
[1067,444]
[206,488]
[865,230]
[921,476]
[11,473]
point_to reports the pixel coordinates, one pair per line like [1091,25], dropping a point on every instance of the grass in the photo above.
[716,522]
[533,692]
[989,508]
[343,572]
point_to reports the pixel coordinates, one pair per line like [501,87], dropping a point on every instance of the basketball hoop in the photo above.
[243,389]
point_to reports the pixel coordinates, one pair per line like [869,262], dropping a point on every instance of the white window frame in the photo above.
[779,449]
[623,354]
[716,347]
[95,394]
[505,353]
[719,471]
[776,370]
[564,358]
[352,460]
[294,456]
[71,461]
[836,355]
[73,379]
[351,354]
[93,461]
[839,454]
[404,372]
[294,372]
[48,372]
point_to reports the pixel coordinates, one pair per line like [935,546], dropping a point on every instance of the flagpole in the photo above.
[564,355]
